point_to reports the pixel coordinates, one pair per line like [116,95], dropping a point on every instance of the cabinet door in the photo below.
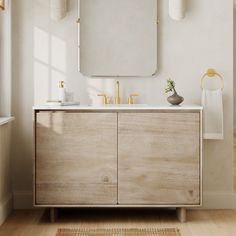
[76,158]
[159,158]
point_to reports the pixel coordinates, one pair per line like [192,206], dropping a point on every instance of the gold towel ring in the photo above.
[211,73]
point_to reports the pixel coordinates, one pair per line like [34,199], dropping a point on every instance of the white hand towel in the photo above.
[212,103]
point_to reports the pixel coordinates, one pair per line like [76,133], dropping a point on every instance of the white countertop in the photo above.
[118,107]
[5,120]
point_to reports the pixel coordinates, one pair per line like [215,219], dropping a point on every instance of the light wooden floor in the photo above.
[200,223]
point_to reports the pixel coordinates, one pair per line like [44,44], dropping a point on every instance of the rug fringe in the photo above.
[119,232]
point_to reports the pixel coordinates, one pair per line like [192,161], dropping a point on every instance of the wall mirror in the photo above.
[118,38]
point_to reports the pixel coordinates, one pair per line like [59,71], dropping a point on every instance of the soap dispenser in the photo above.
[62,92]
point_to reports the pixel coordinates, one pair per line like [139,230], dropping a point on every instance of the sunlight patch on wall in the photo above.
[58,52]
[41,45]
[50,65]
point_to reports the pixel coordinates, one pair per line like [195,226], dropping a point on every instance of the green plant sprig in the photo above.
[170,86]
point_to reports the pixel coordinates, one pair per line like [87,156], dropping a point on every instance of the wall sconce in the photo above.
[58,9]
[2,4]
[177,9]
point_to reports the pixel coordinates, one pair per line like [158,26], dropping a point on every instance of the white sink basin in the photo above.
[120,105]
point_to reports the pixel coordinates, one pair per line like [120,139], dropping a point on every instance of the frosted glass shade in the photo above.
[177,9]
[58,9]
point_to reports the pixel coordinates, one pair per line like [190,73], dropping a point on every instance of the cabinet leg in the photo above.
[53,214]
[182,214]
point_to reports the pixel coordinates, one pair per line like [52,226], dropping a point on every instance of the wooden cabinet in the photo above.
[118,158]
[159,158]
[76,158]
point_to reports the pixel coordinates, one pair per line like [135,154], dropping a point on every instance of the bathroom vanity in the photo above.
[118,156]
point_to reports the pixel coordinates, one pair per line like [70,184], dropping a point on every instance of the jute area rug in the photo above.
[118,232]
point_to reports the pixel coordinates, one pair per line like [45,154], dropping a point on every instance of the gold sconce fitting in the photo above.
[2,4]
[78,21]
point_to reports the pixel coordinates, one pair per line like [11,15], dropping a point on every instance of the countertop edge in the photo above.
[114,108]
[5,120]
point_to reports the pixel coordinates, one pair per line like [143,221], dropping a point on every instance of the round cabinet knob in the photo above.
[106,179]
[191,193]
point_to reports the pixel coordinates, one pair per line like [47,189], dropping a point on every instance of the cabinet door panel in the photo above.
[76,158]
[159,158]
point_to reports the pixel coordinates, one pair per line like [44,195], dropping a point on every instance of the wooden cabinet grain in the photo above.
[76,158]
[159,158]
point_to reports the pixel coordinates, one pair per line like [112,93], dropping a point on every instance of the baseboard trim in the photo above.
[219,200]
[5,208]
[23,200]
[211,200]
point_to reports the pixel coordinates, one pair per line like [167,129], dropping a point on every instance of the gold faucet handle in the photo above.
[105,99]
[131,98]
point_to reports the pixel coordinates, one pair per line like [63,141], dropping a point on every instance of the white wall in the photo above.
[5,172]
[5,60]
[234,67]
[46,51]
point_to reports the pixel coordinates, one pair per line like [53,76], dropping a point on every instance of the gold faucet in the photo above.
[131,99]
[117,98]
[105,99]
